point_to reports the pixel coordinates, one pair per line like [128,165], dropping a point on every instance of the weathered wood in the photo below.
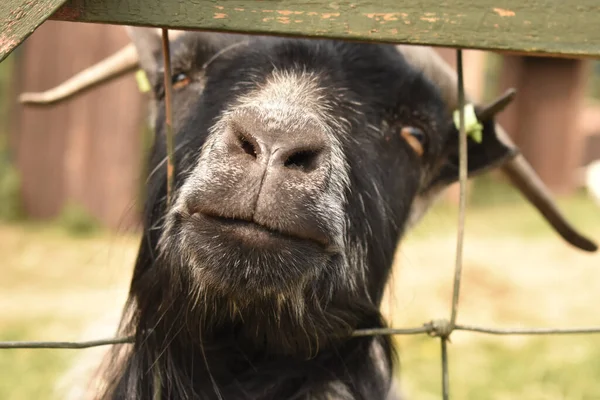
[550,27]
[19,18]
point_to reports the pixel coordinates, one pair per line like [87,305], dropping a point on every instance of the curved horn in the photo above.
[497,105]
[524,178]
[122,62]
[518,170]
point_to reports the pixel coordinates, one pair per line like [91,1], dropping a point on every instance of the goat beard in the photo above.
[186,344]
[184,326]
[169,302]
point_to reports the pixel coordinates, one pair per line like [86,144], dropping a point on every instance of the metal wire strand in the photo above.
[168,113]
[428,328]
[462,174]
[527,331]
[65,345]
[445,374]
[438,329]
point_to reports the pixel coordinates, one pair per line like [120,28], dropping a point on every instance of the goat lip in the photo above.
[253,232]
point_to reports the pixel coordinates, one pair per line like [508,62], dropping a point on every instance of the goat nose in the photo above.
[303,148]
[296,157]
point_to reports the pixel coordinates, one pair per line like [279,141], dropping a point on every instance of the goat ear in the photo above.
[488,153]
[482,156]
[148,44]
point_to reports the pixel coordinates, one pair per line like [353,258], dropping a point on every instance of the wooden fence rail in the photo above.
[542,27]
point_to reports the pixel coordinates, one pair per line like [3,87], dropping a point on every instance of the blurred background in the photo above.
[71,184]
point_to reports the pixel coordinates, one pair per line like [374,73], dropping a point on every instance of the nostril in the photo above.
[304,160]
[247,146]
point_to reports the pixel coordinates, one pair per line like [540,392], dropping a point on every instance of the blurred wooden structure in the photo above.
[590,127]
[548,121]
[88,150]
[545,120]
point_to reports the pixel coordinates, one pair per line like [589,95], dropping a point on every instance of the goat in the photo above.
[300,164]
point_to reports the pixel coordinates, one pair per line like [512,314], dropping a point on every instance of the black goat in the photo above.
[299,166]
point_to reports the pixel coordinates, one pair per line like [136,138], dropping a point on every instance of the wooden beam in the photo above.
[548,27]
[19,18]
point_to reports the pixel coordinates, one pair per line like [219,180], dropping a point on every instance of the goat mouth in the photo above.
[253,233]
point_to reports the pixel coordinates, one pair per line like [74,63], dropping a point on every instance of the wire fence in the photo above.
[437,328]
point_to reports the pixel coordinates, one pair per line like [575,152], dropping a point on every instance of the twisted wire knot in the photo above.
[439,328]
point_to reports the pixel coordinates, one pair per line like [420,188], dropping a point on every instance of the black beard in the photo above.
[296,322]
[266,348]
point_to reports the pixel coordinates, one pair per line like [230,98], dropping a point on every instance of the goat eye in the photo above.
[180,80]
[415,138]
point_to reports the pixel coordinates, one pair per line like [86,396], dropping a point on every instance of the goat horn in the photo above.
[518,170]
[497,105]
[521,175]
[120,63]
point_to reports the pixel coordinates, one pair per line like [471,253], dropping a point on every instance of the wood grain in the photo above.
[542,27]
[19,18]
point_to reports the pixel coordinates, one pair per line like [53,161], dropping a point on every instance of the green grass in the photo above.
[517,273]
[28,374]
[77,221]
[56,284]
[544,368]
[496,208]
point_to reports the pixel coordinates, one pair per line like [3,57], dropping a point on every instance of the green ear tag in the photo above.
[142,81]
[472,126]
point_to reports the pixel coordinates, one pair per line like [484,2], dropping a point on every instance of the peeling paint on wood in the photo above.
[524,26]
[19,18]
[517,26]
[504,13]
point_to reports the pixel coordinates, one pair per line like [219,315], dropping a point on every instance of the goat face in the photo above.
[298,166]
